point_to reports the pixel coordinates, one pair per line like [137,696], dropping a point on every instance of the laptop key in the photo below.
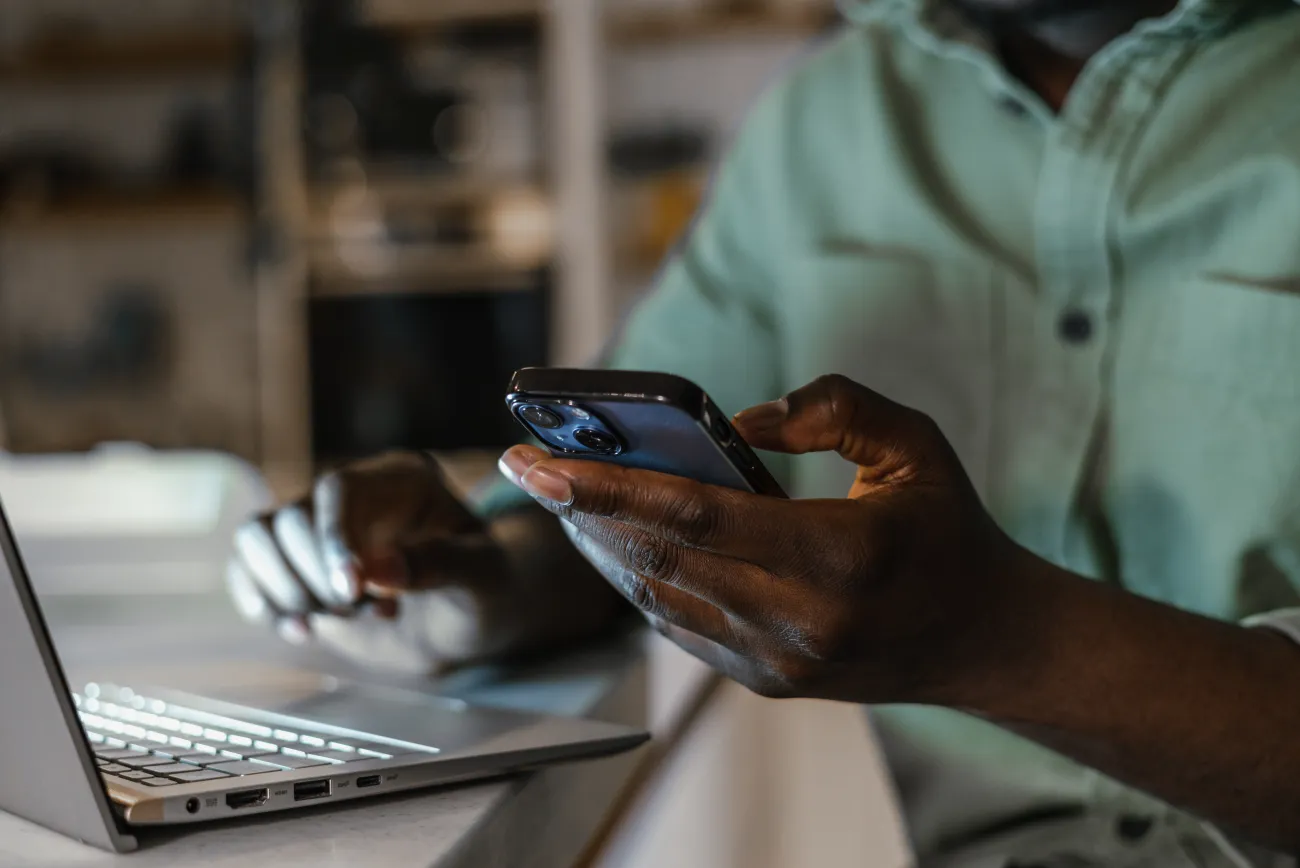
[113,768]
[200,775]
[243,767]
[338,756]
[345,744]
[209,760]
[158,782]
[198,757]
[136,775]
[294,762]
[140,762]
[171,769]
[115,753]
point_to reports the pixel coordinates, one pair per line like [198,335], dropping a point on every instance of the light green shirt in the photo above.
[1101,309]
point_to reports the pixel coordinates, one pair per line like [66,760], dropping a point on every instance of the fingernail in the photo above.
[763,416]
[293,630]
[547,484]
[515,463]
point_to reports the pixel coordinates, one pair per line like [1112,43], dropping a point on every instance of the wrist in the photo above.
[1009,656]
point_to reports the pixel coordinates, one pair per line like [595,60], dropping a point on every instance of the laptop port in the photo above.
[246,798]
[367,781]
[311,790]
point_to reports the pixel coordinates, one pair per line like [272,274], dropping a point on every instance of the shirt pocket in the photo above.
[1235,337]
[916,331]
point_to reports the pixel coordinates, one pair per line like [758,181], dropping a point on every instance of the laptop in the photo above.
[98,762]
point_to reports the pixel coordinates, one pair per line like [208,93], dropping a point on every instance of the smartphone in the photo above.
[637,419]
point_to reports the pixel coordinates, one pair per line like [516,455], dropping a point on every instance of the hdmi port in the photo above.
[311,790]
[246,798]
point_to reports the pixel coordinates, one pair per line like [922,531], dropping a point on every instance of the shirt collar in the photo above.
[1193,17]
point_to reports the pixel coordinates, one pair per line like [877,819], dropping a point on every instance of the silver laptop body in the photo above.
[96,762]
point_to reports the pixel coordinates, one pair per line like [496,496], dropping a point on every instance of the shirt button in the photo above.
[1075,327]
[1013,106]
[1131,828]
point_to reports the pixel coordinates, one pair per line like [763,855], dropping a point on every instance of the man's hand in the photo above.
[383,564]
[887,595]
[907,592]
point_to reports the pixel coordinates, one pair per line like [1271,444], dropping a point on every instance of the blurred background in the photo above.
[303,233]
[244,240]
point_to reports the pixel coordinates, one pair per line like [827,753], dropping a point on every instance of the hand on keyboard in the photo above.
[381,563]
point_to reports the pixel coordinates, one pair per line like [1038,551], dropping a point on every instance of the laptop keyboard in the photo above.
[160,744]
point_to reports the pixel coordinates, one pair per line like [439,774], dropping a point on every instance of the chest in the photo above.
[1105,302]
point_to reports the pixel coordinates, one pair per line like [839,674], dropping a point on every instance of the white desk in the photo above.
[543,819]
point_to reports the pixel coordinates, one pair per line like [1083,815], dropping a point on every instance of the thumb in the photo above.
[466,560]
[835,414]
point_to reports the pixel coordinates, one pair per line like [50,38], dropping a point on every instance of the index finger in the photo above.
[737,524]
[341,566]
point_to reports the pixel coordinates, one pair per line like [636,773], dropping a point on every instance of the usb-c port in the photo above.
[367,781]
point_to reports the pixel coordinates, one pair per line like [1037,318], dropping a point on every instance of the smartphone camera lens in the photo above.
[541,417]
[597,441]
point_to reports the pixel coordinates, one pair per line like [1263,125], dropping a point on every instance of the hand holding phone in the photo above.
[641,420]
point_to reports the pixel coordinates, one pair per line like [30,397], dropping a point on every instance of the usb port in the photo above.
[367,781]
[246,798]
[311,790]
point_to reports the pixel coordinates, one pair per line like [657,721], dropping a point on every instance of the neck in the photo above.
[1048,44]
[1078,35]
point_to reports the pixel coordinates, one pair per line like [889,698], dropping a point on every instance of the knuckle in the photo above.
[769,685]
[839,394]
[695,519]
[796,675]
[926,426]
[329,487]
[834,384]
[827,641]
[641,593]
[251,536]
[650,558]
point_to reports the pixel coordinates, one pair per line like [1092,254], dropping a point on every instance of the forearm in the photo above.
[1203,714]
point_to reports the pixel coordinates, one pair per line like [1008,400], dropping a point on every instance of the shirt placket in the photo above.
[1085,155]
[1079,199]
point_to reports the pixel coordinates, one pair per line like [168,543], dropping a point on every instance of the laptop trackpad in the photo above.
[446,724]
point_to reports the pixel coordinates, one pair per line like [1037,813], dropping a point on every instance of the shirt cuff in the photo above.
[1284,621]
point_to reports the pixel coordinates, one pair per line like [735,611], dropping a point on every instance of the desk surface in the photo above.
[543,818]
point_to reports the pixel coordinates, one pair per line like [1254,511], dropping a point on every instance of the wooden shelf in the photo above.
[82,60]
[421,271]
[646,29]
[409,187]
[413,15]
[97,210]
